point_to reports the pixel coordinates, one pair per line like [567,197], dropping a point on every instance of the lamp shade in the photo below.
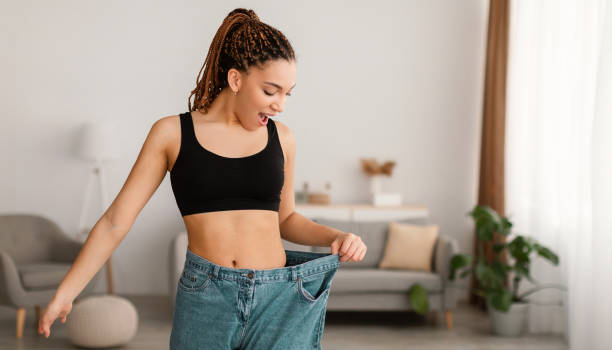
[99,141]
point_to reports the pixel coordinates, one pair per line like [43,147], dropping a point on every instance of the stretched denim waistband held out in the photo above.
[300,264]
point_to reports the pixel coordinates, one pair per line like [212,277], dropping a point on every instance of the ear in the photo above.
[234,79]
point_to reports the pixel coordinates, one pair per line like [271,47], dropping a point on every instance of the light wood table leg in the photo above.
[21,315]
[449,319]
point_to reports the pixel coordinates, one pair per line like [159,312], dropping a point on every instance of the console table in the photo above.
[362,212]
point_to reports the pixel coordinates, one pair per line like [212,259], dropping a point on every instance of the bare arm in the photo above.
[144,179]
[294,227]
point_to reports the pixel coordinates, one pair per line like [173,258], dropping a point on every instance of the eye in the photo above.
[271,94]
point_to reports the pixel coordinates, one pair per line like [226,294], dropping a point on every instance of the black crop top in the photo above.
[203,181]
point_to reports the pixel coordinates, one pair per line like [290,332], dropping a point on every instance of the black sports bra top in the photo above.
[203,181]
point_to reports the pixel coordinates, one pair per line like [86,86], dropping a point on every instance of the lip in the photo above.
[269,114]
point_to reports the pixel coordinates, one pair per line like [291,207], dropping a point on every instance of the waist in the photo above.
[237,239]
[246,256]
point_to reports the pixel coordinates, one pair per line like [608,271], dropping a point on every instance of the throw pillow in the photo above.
[409,246]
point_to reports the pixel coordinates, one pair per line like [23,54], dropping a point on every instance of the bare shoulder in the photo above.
[167,134]
[284,133]
[286,137]
[167,126]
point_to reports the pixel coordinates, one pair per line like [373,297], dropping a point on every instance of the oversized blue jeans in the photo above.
[221,308]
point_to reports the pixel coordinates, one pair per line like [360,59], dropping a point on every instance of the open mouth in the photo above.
[263,119]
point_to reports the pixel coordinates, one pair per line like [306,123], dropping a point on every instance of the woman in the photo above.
[231,170]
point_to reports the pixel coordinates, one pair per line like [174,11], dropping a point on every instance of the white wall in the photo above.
[398,80]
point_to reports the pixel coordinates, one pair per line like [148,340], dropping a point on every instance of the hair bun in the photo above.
[250,14]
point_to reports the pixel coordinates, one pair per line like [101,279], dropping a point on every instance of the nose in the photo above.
[278,107]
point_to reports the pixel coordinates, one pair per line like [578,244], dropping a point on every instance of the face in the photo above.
[262,91]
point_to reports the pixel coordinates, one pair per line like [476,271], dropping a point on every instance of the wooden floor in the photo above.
[343,330]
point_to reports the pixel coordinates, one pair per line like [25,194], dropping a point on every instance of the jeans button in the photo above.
[250,275]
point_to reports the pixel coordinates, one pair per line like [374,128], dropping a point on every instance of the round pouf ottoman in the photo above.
[102,321]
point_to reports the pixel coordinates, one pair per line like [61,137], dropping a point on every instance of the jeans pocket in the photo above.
[314,288]
[192,282]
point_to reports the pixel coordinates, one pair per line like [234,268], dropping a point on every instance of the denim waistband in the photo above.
[299,264]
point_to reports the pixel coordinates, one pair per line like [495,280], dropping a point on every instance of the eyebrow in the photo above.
[278,86]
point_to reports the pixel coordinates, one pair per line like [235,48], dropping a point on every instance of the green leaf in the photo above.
[546,253]
[458,261]
[500,299]
[418,299]
[520,248]
[505,227]
[484,229]
[487,276]
[499,268]
[498,247]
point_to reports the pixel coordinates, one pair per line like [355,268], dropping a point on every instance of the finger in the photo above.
[363,251]
[358,253]
[356,244]
[350,240]
[334,248]
[47,328]
[344,249]
[352,253]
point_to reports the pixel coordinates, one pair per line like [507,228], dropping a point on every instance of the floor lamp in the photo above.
[99,143]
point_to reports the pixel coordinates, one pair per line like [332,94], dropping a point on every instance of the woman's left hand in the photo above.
[349,247]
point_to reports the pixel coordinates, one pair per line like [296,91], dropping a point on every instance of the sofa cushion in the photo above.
[42,275]
[363,280]
[372,233]
[409,247]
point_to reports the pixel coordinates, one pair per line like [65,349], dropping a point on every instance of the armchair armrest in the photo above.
[10,282]
[446,247]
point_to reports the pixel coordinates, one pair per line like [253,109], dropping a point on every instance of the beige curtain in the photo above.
[491,181]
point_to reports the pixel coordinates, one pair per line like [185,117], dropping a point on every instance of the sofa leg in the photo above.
[21,314]
[449,319]
[433,317]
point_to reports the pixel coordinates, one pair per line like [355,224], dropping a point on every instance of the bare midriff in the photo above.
[240,239]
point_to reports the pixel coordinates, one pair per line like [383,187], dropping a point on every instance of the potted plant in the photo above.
[508,308]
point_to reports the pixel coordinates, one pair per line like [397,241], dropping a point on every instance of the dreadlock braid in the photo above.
[241,41]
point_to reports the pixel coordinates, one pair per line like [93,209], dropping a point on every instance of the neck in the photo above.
[222,110]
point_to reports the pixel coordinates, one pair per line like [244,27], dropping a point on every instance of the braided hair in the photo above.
[241,41]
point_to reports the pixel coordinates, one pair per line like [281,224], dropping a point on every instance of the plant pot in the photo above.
[510,323]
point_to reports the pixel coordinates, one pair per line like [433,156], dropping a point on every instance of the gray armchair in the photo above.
[35,255]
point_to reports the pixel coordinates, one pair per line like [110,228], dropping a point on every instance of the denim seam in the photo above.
[318,338]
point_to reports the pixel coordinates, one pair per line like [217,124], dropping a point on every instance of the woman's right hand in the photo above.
[56,308]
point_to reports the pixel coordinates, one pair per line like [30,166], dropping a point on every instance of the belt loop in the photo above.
[293,274]
[216,271]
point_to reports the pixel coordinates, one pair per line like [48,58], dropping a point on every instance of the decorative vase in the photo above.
[375,184]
